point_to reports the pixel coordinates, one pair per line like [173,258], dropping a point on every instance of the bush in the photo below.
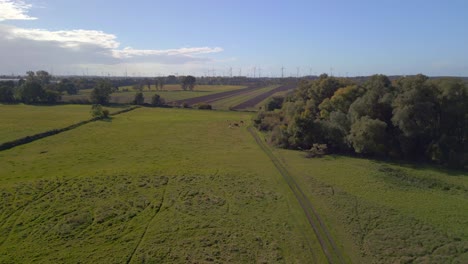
[139,99]
[204,106]
[185,105]
[97,111]
[156,100]
[276,102]
[317,151]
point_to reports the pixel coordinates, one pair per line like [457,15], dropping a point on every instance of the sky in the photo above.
[248,38]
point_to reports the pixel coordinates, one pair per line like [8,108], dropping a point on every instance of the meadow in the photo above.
[25,120]
[387,212]
[183,186]
[150,185]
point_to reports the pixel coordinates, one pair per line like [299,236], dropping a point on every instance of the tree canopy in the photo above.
[414,117]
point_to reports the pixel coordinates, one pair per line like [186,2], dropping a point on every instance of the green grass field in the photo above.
[126,94]
[387,213]
[25,120]
[151,185]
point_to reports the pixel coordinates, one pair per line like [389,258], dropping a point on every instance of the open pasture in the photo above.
[25,120]
[150,186]
[387,212]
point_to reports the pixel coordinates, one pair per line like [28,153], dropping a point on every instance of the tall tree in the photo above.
[101,92]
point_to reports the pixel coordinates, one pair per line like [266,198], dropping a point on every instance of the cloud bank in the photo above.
[32,48]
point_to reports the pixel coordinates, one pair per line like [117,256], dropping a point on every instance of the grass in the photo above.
[385,212]
[226,103]
[23,120]
[126,94]
[150,186]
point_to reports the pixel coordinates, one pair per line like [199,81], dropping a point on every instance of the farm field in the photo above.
[389,213]
[24,120]
[258,100]
[170,93]
[150,186]
[228,102]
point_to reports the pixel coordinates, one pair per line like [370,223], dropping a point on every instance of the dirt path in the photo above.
[257,99]
[327,244]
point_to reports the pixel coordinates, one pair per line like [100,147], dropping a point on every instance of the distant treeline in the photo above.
[411,118]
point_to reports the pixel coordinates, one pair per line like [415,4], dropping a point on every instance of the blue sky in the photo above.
[195,37]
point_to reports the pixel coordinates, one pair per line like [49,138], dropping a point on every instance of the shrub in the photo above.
[139,99]
[185,105]
[317,151]
[97,111]
[156,100]
[204,106]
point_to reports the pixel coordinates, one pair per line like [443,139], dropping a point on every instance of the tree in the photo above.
[6,92]
[156,100]
[276,102]
[148,83]
[65,85]
[31,92]
[101,93]
[189,83]
[139,99]
[43,77]
[368,136]
[161,83]
[51,96]
[415,113]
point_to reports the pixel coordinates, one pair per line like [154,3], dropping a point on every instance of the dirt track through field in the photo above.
[217,96]
[257,99]
[327,244]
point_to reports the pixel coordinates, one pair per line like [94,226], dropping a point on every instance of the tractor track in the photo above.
[326,241]
[140,241]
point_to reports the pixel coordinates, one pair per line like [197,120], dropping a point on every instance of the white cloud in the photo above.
[22,49]
[14,10]
[130,52]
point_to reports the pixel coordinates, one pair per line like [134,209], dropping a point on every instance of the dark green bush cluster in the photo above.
[203,106]
[413,118]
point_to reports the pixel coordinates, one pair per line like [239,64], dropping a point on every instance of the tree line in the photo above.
[37,87]
[411,118]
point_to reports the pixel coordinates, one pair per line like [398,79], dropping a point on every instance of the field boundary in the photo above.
[326,241]
[29,139]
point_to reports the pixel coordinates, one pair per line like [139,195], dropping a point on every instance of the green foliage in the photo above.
[413,118]
[31,92]
[98,111]
[67,86]
[6,94]
[367,136]
[188,83]
[51,96]
[275,102]
[156,100]
[139,99]
[101,93]
[204,106]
